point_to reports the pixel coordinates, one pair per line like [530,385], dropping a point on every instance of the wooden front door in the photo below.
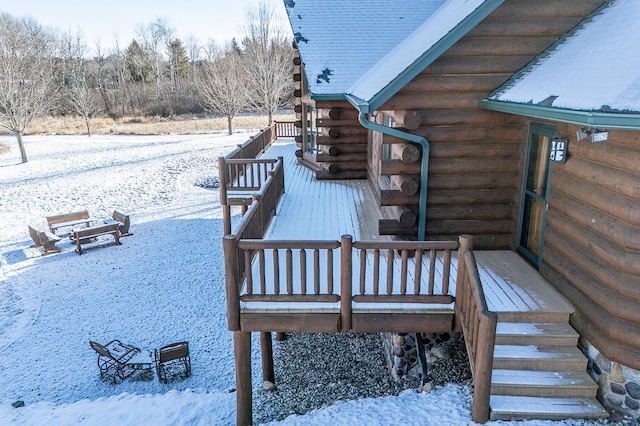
[535,193]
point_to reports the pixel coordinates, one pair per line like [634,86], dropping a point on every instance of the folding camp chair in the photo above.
[113,358]
[173,361]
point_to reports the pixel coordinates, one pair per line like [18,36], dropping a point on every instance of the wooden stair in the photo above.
[539,373]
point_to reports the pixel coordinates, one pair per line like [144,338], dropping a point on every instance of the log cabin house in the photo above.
[513,121]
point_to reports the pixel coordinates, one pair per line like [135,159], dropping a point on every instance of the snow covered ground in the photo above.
[165,283]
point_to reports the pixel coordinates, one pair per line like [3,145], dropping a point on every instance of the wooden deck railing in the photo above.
[324,271]
[242,173]
[295,277]
[242,180]
[259,143]
[478,325]
[256,145]
[286,129]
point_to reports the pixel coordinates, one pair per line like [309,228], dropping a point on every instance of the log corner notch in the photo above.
[408,119]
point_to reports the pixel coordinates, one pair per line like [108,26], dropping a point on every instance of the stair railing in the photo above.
[478,325]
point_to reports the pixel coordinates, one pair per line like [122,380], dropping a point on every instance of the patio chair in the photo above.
[173,361]
[113,358]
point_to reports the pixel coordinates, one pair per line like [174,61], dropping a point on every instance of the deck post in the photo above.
[465,244]
[259,214]
[266,350]
[480,410]
[281,336]
[230,248]
[242,355]
[226,209]
[222,179]
[346,274]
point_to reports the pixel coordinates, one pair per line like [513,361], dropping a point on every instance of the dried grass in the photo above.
[149,125]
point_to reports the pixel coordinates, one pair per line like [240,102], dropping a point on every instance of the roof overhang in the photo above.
[605,120]
[434,52]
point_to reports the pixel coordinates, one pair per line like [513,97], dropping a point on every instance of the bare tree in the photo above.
[26,76]
[221,87]
[268,58]
[80,80]
[194,51]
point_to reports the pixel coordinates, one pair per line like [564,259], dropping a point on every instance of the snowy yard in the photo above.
[164,284]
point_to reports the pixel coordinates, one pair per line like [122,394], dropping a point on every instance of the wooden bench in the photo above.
[66,220]
[123,222]
[44,239]
[83,234]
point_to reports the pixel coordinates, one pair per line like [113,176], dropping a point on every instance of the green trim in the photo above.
[328,97]
[428,57]
[550,132]
[605,120]
[363,107]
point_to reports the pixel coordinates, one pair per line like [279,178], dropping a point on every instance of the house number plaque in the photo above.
[559,150]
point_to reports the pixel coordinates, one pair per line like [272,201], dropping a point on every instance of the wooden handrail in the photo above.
[288,244]
[478,325]
[410,245]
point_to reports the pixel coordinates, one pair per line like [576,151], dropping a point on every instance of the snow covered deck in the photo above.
[312,210]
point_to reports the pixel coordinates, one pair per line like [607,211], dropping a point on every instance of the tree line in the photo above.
[43,71]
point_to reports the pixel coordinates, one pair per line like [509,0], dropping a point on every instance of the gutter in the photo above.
[363,110]
[605,120]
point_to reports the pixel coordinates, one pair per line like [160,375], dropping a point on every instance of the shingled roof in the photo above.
[366,51]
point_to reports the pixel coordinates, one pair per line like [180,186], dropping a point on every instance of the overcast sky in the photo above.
[110,19]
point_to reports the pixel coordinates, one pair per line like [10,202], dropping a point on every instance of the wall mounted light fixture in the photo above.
[582,134]
[599,135]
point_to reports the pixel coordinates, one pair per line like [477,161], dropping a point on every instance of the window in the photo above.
[387,121]
[535,193]
[310,131]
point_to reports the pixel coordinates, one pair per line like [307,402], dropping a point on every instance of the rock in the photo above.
[398,351]
[426,388]
[631,403]
[618,389]
[18,404]
[603,384]
[441,352]
[603,362]
[633,389]
[615,399]
[617,375]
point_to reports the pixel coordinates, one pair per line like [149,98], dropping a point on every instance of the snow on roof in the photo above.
[425,37]
[596,67]
[349,47]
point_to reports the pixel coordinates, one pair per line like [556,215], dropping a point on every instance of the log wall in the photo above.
[592,240]
[342,142]
[476,155]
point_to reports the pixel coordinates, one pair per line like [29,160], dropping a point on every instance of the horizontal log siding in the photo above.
[342,131]
[592,240]
[476,155]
